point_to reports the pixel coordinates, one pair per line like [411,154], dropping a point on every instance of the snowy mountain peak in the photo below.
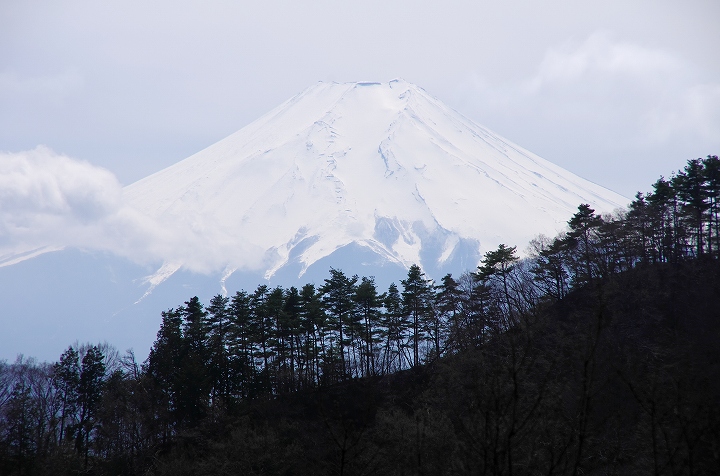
[383,167]
[364,177]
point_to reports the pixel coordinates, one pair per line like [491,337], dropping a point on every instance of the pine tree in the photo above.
[495,271]
[219,362]
[337,297]
[92,381]
[475,302]
[417,303]
[448,307]
[162,366]
[278,338]
[395,328]
[262,327]
[550,267]
[66,379]
[639,224]
[369,304]
[194,375]
[689,185]
[290,323]
[668,236]
[240,331]
[580,240]
[313,322]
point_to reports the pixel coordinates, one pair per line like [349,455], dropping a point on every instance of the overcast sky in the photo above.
[619,91]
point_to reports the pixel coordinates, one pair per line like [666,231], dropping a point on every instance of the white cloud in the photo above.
[48,182]
[39,185]
[50,201]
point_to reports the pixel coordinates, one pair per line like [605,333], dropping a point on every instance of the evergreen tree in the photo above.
[550,268]
[639,227]
[337,297]
[475,301]
[262,327]
[395,328]
[495,270]
[313,322]
[278,338]
[240,332]
[369,303]
[163,368]
[580,241]
[448,315]
[194,377]
[66,380]
[417,302]
[218,333]
[292,330]
[689,185]
[92,380]
[664,211]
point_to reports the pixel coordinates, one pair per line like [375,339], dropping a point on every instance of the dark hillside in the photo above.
[620,377]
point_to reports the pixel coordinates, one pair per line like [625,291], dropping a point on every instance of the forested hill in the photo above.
[596,355]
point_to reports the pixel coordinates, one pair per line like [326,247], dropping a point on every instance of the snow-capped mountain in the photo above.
[381,166]
[365,177]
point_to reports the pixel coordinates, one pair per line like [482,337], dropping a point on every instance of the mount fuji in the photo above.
[366,177]
[383,167]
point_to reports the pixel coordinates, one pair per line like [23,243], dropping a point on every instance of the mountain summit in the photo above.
[383,169]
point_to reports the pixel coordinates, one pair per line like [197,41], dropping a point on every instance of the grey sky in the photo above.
[619,92]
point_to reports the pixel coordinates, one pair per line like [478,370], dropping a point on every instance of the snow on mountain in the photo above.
[365,177]
[381,166]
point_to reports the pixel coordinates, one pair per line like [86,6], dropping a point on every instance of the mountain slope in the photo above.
[383,166]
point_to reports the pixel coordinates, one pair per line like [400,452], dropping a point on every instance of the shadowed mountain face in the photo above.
[364,177]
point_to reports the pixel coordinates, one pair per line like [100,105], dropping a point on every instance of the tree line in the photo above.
[536,334]
[678,220]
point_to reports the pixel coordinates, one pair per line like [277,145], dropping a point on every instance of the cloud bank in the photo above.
[49,201]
